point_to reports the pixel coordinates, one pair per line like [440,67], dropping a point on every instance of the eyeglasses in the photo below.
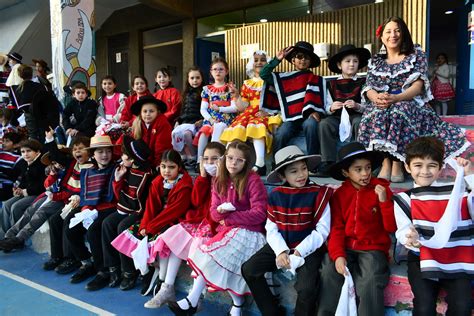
[218,69]
[236,159]
[301,56]
[209,159]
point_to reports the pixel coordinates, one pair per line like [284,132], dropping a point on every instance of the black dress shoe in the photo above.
[67,266]
[323,170]
[51,264]
[174,307]
[100,281]
[129,279]
[12,243]
[85,271]
[115,277]
[262,171]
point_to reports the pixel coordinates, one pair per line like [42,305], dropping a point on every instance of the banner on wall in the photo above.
[470,27]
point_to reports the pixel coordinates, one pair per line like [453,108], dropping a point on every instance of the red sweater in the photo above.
[158,138]
[158,216]
[127,115]
[172,98]
[359,221]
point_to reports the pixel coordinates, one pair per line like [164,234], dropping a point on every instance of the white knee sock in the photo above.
[193,296]
[444,105]
[173,268]
[217,132]
[163,268]
[202,143]
[259,145]
[238,301]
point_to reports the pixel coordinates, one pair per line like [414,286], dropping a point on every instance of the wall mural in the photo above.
[73,43]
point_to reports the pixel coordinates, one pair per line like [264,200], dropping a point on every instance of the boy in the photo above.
[79,115]
[28,185]
[417,212]
[344,92]
[298,95]
[361,221]
[9,156]
[297,226]
[61,183]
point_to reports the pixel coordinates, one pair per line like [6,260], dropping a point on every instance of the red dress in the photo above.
[127,115]
[158,138]
[172,98]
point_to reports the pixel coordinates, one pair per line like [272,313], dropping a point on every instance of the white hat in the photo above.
[288,155]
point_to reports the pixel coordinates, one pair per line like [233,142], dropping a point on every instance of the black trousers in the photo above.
[426,292]
[307,282]
[75,239]
[112,226]
[57,227]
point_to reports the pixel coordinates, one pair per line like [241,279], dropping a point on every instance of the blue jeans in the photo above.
[290,129]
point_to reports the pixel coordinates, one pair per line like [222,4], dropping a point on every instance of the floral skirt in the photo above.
[220,259]
[392,129]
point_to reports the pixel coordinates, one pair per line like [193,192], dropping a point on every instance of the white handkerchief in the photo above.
[347,301]
[140,256]
[345,125]
[86,217]
[227,206]
[295,263]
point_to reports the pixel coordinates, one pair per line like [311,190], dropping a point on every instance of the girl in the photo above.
[442,89]
[168,200]
[253,123]
[217,105]
[131,184]
[140,89]
[152,126]
[168,94]
[5,123]
[191,119]
[182,239]
[111,102]
[238,205]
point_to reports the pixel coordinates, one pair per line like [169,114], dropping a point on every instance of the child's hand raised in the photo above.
[467,165]
[341,264]
[283,53]
[381,192]
[233,90]
[119,172]
[283,260]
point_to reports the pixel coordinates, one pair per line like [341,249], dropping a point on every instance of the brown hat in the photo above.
[43,64]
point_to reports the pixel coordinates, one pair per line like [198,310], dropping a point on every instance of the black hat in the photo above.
[351,151]
[137,106]
[15,56]
[137,148]
[62,156]
[363,54]
[42,62]
[306,48]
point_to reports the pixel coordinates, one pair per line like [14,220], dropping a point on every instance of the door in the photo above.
[118,60]
[206,50]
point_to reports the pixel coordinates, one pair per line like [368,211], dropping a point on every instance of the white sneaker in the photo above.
[164,295]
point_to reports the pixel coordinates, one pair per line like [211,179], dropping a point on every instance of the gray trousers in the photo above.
[12,211]
[34,216]
[329,135]
[369,270]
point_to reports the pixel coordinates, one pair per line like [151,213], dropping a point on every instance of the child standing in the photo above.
[132,181]
[298,223]
[298,110]
[218,106]
[168,200]
[190,120]
[152,126]
[182,239]
[420,215]
[238,204]
[167,93]
[443,92]
[344,94]
[361,221]
[111,103]
[140,89]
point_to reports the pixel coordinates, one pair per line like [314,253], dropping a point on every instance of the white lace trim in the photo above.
[411,64]
[385,146]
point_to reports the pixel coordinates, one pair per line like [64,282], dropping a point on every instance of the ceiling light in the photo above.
[378,1]
[449,12]
[308,12]
[321,11]
[263,20]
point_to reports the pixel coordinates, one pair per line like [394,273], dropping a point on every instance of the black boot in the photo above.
[115,277]
[100,281]
[129,279]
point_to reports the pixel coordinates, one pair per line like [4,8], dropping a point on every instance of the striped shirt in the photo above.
[7,162]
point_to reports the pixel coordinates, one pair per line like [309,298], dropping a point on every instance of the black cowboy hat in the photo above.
[363,54]
[15,56]
[137,148]
[137,106]
[351,151]
[306,48]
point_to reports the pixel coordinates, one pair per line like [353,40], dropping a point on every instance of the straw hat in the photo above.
[100,141]
[288,155]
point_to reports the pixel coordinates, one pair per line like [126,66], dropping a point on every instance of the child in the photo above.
[111,102]
[9,156]
[344,92]
[96,194]
[419,213]
[132,181]
[152,126]
[361,222]
[140,89]
[61,183]
[14,61]
[253,122]
[190,120]
[217,105]
[168,94]
[182,239]
[238,204]
[79,115]
[297,225]
[168,200]
[5,123]
[298,110]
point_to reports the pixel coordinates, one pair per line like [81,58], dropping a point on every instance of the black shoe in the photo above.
[115,277]
[174,307]
[85,271]
[323,169]
[12,243]
[262,171]
[100,281]
[67,266]
[51,264]
[129,279]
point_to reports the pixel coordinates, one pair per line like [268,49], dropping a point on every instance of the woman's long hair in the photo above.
[406,47]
